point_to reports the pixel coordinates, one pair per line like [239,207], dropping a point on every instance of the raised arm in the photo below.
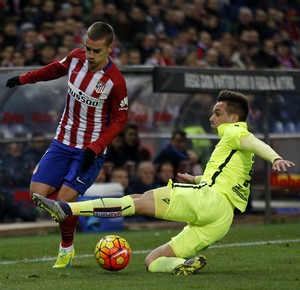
[263,150]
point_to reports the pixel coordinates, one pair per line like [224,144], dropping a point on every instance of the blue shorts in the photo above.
[61,164]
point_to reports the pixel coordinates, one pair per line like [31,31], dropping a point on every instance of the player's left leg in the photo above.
[100,207]
[169,258]
[128,205]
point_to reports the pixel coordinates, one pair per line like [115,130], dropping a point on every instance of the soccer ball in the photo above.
[113,253]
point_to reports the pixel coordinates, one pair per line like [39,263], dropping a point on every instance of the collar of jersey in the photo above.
[221,129]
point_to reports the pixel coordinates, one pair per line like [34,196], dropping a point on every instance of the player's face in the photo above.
[97,53]
[220,116]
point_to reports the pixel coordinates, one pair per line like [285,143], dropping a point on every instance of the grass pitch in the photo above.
[251,257]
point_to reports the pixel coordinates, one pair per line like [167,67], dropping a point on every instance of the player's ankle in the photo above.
[66,208]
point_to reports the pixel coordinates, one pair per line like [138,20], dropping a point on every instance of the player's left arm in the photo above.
[118,116]
[263,150]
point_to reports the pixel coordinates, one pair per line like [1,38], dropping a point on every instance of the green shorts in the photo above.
[208,213]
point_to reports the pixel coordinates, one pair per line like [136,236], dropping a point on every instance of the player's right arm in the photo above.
[263,150]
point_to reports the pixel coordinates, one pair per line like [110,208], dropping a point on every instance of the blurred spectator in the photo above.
[134,57]
[291,25]
[155,24]
[30,57]
[285,56]
[69,41]
[163,56]
[204,43]
[144,179]
[47,33]
[225,56]
[59,31]
[121,58]
[260,20]
[6,55]
[36,149]
[13,211]
[281,115]
[30,10]
[147,44]
[120,175]
[28,36]
[14,172]
[61,53]
[265,57]
[177,151]
[46,13]
[241,58]
[255,116]
[122,29]
[47,53]
[213,27]
[138,23]
[17,59]
[170,23]
[164,172]
[10,32]
[101,178]
[212,58]
[134,150]
[111,13]
[193,17]
[116,153]
[244,21]
[97,13]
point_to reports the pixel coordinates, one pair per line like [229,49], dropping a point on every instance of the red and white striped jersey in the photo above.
[96,107]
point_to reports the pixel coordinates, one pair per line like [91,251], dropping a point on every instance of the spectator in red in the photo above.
[285,56]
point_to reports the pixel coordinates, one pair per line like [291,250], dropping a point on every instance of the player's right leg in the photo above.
[48,177]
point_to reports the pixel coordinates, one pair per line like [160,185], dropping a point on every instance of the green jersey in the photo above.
[229,169]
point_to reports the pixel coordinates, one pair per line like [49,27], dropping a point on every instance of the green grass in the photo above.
[245,259]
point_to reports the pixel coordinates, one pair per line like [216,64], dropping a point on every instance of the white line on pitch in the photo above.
[246,244]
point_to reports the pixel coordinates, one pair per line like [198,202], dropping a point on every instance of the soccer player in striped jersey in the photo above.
[205,202]
[96,110]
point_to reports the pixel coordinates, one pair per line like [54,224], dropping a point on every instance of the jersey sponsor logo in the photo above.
[99,87]
[80,96]
[80,181]
[124,104]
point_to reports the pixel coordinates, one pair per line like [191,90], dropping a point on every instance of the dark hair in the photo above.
[237,103]
[179,133]
[131,126]
[100,30]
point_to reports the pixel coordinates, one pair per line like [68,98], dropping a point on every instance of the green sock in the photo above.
[104,207]
[165,264]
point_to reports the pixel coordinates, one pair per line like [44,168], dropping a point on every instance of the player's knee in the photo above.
[145,204]
[149,259]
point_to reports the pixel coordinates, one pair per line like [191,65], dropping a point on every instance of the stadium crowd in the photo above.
[202,33]
[197,33]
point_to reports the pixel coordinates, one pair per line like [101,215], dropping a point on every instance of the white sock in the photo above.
[67,249]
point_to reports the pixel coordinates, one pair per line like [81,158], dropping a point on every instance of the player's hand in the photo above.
[282,165]
[12,82]
[88,158]
[188,178]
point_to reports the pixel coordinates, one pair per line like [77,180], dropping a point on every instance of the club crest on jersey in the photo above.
[99,87]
